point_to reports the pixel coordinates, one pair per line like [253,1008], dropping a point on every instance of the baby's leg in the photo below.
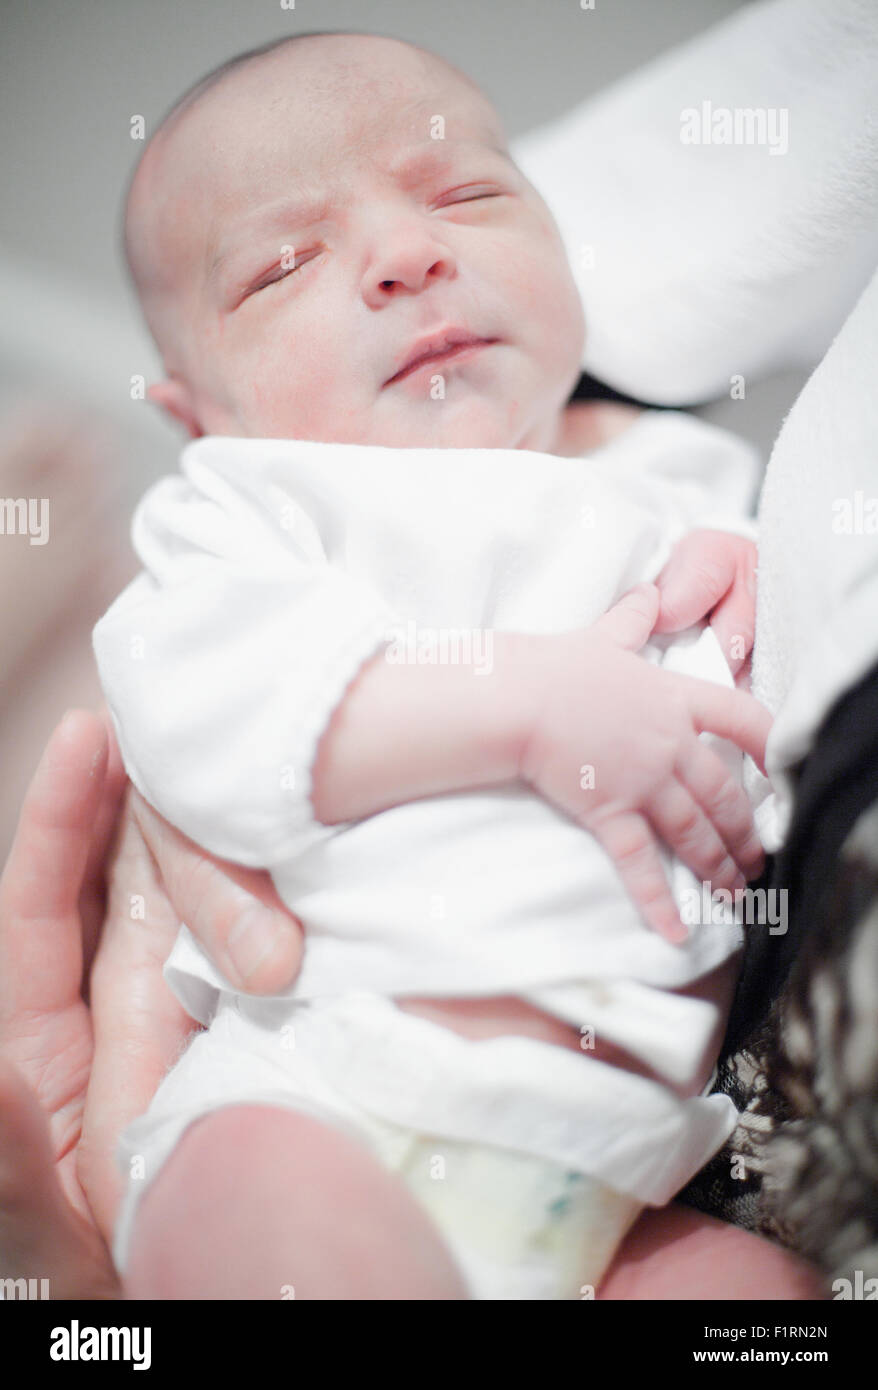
[260,1202]
[675,1253]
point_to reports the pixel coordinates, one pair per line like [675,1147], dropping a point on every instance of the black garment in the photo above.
[834,784]
[822,1198]
[588,388]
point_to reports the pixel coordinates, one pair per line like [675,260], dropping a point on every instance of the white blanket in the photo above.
[274,568]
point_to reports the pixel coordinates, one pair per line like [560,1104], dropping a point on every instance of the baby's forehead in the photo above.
[306,105]
[350,84]
[344,102]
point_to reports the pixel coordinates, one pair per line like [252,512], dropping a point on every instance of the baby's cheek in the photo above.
[287,390]
[276,387]
[547,300]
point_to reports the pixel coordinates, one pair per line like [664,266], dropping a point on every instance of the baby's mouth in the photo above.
[443,347]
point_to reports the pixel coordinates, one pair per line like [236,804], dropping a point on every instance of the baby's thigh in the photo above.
[261,1202]
[676,1253]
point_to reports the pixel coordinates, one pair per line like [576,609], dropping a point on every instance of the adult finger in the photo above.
[93,897]
[43,876]
[630,843]
[630,622]
[724,802]
[41,1236]
[733,714]
[680,821]
[140,1028]
[695,578]
[235,913]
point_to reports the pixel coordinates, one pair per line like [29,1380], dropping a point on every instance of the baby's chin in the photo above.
[477,423]
[471,420]
[445,437]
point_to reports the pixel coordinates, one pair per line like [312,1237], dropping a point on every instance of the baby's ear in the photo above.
[173,398]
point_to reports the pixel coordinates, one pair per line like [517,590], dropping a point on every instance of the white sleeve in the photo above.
[223,662]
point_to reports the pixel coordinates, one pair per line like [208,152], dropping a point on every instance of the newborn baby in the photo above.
[370,329]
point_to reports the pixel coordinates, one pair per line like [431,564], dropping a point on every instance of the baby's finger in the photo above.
[682,824]
[733,714]
[631,845]
[724,802]
[235,913]
[734,623]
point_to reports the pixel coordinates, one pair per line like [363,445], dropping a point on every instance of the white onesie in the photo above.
[272,570]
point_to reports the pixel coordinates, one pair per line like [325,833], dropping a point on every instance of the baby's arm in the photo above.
[255,709]
[553,705]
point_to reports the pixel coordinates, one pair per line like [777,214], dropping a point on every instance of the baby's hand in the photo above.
[712,572]
[614,743]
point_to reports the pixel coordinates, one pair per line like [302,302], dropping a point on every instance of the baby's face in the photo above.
[306,234]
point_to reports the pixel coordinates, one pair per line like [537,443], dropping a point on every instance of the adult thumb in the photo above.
[629,623]
[28,1185]
[42,1236]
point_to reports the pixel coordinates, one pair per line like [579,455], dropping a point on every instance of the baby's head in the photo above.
[309,215]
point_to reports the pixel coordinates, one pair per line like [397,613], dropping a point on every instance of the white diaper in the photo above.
[532,1161]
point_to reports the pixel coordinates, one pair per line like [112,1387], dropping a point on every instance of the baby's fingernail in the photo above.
[677,933]
[252,940]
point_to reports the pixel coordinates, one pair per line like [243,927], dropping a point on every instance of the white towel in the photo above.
[697,262]
[701,262]
[817,615]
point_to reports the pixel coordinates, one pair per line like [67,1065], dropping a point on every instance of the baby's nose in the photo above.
[406,269]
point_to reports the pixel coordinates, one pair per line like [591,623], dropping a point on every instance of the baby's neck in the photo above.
[586,425]
[548,437]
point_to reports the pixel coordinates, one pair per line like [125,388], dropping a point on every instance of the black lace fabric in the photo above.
[800,1060]
[730,1186]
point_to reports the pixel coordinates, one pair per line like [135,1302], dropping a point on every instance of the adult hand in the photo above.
[82,1047]
[158,879]
[48,895]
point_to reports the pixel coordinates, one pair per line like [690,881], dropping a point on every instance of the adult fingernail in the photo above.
[252,940]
